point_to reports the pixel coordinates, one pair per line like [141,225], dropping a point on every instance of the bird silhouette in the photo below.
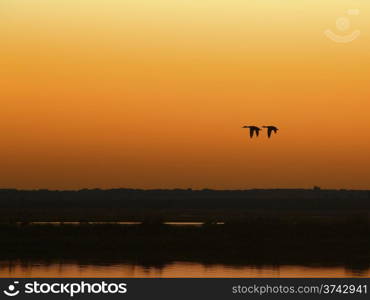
[271,129]
[252,130]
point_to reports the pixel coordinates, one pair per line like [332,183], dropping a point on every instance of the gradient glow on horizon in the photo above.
[153,94]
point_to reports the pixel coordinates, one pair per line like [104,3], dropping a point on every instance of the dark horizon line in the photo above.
[315,188]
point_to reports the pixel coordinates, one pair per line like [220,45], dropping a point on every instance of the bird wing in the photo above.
[257,131]
[251,130]
[269,130]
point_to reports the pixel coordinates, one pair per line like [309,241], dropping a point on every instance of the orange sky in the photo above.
[154,93]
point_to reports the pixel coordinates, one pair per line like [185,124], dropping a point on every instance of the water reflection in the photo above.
[175,269]
[114,223]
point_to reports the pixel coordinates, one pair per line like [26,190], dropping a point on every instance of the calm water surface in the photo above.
[176,269]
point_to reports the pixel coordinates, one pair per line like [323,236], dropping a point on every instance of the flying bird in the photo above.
[271,129]
[252,130]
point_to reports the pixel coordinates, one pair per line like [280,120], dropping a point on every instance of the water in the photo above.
[32,268]
[119,223]
[176,269]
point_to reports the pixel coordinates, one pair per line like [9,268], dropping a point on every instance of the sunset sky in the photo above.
[153,94]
